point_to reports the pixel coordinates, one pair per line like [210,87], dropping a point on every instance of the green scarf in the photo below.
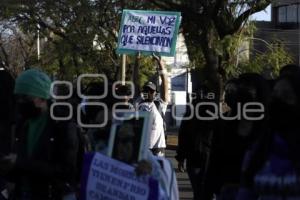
[35,128]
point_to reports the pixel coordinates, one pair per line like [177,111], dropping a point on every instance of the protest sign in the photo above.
[108,179]
[148,32]
[129,136]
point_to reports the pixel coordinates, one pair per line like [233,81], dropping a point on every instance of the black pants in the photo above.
[195,174]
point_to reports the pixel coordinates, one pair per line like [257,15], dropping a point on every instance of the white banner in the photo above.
[148,31]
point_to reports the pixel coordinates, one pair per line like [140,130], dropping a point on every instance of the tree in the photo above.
[269,62]
[208,23]
[16,49]
[76,36]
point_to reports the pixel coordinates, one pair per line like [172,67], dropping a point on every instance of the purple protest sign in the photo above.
[109,179]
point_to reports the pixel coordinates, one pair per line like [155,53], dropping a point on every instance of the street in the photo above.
[185,188]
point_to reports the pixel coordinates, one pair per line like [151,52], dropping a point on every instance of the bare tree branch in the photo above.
[258,6]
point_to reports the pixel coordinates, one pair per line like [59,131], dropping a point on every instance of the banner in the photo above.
[148,32]
[108,179]
[129,136]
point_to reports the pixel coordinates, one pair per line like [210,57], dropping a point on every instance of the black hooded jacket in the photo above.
[50,172]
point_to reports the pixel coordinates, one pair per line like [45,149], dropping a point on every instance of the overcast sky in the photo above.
[263,15]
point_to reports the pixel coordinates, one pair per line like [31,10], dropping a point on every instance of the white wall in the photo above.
[179,101]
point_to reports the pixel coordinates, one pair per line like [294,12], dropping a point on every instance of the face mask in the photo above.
[28,110]
[148,96]
[283,117]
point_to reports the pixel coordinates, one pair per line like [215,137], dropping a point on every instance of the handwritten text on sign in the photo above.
[113,180]
[148,31]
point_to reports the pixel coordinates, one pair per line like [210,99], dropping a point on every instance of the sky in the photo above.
[263,15]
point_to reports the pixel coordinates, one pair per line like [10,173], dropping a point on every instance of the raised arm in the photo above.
[164,78]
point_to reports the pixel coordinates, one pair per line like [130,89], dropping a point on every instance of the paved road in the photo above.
[185,189]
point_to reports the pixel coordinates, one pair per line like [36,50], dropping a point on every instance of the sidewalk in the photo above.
[185,188]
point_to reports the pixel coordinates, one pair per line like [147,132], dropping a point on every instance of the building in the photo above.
[284,27]
[180,83]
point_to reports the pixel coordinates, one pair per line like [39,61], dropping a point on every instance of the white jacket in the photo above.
[157,134]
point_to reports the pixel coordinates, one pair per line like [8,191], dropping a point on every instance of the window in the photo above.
[282,14]
[298,13]
[291,12]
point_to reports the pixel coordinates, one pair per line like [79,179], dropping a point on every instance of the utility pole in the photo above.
[123,69]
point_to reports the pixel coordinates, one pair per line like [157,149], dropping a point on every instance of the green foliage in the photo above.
[269,62]
[196,57]
[76,36]
[209,28]
[82,34]
[147,70]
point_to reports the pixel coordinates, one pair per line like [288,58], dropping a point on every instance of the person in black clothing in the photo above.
[6,120]
[6,110]
[98,136]
[233,137]
[124,102]
[194,139]
[43,161]
[289,69]
[276,155]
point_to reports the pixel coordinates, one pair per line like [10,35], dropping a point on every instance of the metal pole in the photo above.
[123,70]
[38,42]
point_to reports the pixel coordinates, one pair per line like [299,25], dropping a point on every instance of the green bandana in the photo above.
[35,128]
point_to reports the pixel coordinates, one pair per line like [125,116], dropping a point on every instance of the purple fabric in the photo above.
[246,194]
[153,192]
[278,164]
[88,157]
